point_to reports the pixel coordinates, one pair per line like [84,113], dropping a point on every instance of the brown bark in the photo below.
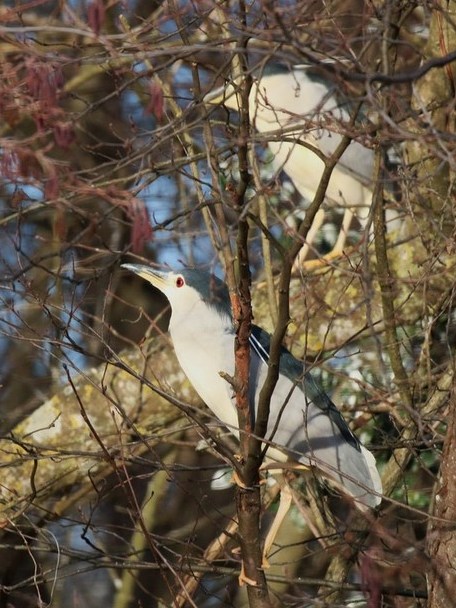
[441,536]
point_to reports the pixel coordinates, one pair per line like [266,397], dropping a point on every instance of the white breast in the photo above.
[202,366]
[351,180]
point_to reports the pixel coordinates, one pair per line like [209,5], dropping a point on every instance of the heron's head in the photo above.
[189,291]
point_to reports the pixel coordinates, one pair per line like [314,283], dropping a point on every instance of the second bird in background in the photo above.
[304,115]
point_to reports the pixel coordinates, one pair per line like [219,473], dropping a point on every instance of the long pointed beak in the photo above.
[156,278]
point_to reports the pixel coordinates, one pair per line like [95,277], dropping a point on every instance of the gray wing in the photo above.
[307,424]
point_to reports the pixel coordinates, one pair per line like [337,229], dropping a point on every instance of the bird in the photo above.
[302,113]
[304,425]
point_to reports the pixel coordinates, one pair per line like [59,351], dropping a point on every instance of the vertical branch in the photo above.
[339,567]
[440,87]
[283,315]
[240,299]
[248,497]
[384,276]
[265,238]
[386,282]
[441,535]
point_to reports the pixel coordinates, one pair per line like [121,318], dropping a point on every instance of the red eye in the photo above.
[180,282]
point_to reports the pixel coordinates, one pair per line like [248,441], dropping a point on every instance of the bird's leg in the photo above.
[335,252]
[343,233]
[243,579]
[284,506]
[235,477]
[315,227]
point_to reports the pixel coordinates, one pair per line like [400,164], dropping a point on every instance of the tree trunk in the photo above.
[441,536]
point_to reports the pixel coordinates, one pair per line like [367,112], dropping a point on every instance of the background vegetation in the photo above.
[109,154]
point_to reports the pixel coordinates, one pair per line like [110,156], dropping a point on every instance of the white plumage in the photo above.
[299,108]
[304,425]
